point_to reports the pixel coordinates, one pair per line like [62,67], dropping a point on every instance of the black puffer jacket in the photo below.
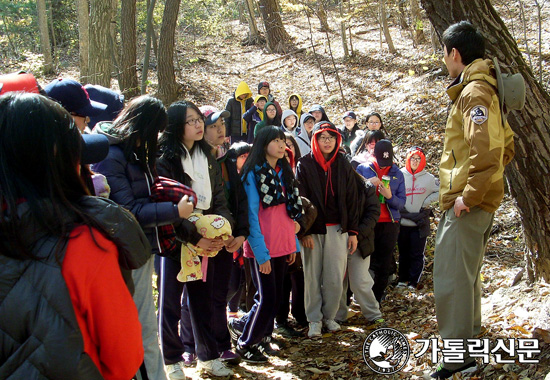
[46,329]
[169,165]
[235,194]
[369,207]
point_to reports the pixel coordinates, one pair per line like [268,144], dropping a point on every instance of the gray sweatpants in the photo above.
[324,268]
[360,282]
[459,248]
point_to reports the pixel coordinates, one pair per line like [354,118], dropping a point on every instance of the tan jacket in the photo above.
[477,144]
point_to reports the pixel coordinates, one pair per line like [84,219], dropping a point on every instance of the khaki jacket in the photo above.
[477,144]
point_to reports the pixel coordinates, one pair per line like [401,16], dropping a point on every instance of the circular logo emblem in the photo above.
[386,351]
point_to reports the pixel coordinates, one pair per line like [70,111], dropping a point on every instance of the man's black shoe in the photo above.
[288,331]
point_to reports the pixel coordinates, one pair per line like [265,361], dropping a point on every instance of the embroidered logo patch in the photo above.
[479,114]
[386,155]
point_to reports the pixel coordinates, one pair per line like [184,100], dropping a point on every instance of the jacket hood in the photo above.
[318,129]
[287,113]
[412,152]
[299,108]
[303,119]
[318,107]
[277,115]
[480,69]
[242,89]
[258,97]
[105,128]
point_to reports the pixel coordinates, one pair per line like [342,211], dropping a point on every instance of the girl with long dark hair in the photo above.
[186,157]
[130,171]
[274,205]
[63,295]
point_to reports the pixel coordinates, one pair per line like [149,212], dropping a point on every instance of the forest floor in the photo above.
[407,89]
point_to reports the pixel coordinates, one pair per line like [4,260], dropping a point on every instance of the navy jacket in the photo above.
[130,187]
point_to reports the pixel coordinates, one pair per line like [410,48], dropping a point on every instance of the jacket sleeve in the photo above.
[351,197]
[308,217]
[241,209]
[219,201]
[248,114]
[123,229]
[185,230]
[483,138]
[256,238]
[148,213]
[434,196]
[371,210]
[104,307]
[399,193]
[366,171]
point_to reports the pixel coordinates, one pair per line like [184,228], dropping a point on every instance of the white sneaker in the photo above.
[314,329]
[213,367]
[175,371]
[331,325]
[401,284]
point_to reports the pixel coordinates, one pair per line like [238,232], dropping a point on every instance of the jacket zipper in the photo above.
[454,166]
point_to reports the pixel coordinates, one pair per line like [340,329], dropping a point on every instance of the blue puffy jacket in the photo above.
[130,187]
[397,186]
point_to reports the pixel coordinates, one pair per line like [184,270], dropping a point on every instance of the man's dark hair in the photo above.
[465,38]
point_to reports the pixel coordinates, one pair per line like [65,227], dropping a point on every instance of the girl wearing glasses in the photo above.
[422,189]
[186,157]
[327,179]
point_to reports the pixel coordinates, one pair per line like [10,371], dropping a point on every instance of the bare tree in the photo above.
[100,56]
[149,35]
[343,30]
[254,36]
[44,36]
[168,88]
[527,174]
[417,25]
[83,17]
[384,26]
[128,78]
[277,37]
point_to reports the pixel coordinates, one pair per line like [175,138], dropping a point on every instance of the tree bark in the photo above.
[385,28]
[402,12]
[528,173]
[254,36]
[168,88]
[83,16]
[277,37]
[149,36]
[321,13]
[128,78]
[44,36]
[418,29]
[343,31]
[100,42]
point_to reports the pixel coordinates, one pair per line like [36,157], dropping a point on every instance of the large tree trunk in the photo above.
[528,172]
[128,77]
[83,16]
[100,61]
[277,37]
[44,36]
[168,88]
[385,28]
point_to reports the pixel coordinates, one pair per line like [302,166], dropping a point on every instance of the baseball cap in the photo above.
[262,84]
[73,97]
[212,114]
[95,148]
[383,151]
[350,114]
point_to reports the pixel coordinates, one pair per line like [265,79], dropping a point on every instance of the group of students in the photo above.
[329,203]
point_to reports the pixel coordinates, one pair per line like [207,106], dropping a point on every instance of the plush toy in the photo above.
[210,227]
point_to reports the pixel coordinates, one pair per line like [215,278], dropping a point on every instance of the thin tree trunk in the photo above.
[528,172]
[343,31]
[83,17]
[321,13]
[277,37]
[148,37]
[168,88]
[100,61]
[402,14]
[128,77]
[254,35]
[418,30]
[315,53]
[385,28]
[44,36]
[336,71]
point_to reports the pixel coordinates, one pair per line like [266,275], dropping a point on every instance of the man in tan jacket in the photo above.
[478,144]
